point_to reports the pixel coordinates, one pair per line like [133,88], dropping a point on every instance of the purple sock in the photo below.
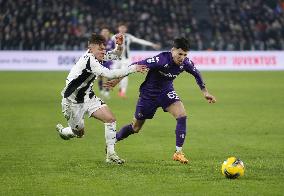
[180,131]
[124,132]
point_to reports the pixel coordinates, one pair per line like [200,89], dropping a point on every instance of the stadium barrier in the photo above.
[204,60]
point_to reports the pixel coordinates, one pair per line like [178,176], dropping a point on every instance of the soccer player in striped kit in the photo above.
[125,58]
[78,97]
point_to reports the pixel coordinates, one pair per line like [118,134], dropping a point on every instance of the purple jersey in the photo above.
[110,45]
[162,72]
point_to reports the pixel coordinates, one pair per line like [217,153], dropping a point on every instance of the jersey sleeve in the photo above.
[100,70]
[190,68]
[140,41]
[153,62]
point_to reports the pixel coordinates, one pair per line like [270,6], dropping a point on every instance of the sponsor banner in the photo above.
[205,60]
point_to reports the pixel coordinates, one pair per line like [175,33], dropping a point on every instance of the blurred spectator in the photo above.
[66,24]
[248,24]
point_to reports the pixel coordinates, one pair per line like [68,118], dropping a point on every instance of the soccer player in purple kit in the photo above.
[110,45]
[158,91]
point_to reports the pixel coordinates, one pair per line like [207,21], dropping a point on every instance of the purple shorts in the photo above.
[146,108]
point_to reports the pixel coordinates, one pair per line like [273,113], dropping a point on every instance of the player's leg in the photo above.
[100,83]
[102,112]
[74,113]
[105,90]
[123,87]
[178,112]
[145,109]
[124,82]
[129,129]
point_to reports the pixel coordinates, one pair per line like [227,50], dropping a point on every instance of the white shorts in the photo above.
[75,112]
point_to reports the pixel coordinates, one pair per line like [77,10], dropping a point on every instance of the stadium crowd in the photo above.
[247,24]
[66,24]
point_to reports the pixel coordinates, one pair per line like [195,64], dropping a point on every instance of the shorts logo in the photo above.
[140,115]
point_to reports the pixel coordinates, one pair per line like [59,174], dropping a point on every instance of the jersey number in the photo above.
[153,60]
[173,95]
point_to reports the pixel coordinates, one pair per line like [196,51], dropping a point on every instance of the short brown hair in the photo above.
[122,24]
[96,39]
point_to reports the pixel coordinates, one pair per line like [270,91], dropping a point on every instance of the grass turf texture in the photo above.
[246,122]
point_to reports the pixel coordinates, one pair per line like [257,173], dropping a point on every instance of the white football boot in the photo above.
[59,128]
[113,158]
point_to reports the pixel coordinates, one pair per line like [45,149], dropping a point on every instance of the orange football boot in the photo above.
[179,156]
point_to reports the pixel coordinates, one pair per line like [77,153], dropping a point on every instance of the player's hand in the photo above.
[210,98]
[142,68]
[157,46]
[111,83]
[119,39]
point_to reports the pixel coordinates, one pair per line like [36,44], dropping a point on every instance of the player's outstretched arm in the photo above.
[112,83]
[144,42]
[210,98]
[98,69]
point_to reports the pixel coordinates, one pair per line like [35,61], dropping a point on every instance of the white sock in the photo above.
[68,132]
[178,149]
[110,136]
[124,84]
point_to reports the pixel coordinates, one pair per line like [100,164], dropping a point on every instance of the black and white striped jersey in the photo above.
[127,40]
[79,83]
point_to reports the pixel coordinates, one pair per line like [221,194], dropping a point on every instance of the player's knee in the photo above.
[110,119]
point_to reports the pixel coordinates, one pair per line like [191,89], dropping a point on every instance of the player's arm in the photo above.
[110,84]
[190,68]
[98,69]
[144,42]
[155,62]
[115,54]
[150,63]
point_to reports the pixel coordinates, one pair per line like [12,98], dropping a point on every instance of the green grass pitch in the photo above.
[247,121]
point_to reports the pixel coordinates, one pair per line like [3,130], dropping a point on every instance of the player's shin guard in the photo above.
[180,132]
[124,132]
[110,133]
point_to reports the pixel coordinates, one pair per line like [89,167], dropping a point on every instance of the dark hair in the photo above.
[122,24]
[96,39]
[182,43]
[105,27]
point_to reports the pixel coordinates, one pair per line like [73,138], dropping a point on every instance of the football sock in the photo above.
[68,132]
[124,132]
[124,84]
[178,149]
[180,132]
[110,132]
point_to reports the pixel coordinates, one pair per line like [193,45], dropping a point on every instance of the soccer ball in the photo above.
[233,168]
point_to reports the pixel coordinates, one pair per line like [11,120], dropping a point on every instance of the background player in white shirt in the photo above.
[110,45]
[79,98]
[125,58]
